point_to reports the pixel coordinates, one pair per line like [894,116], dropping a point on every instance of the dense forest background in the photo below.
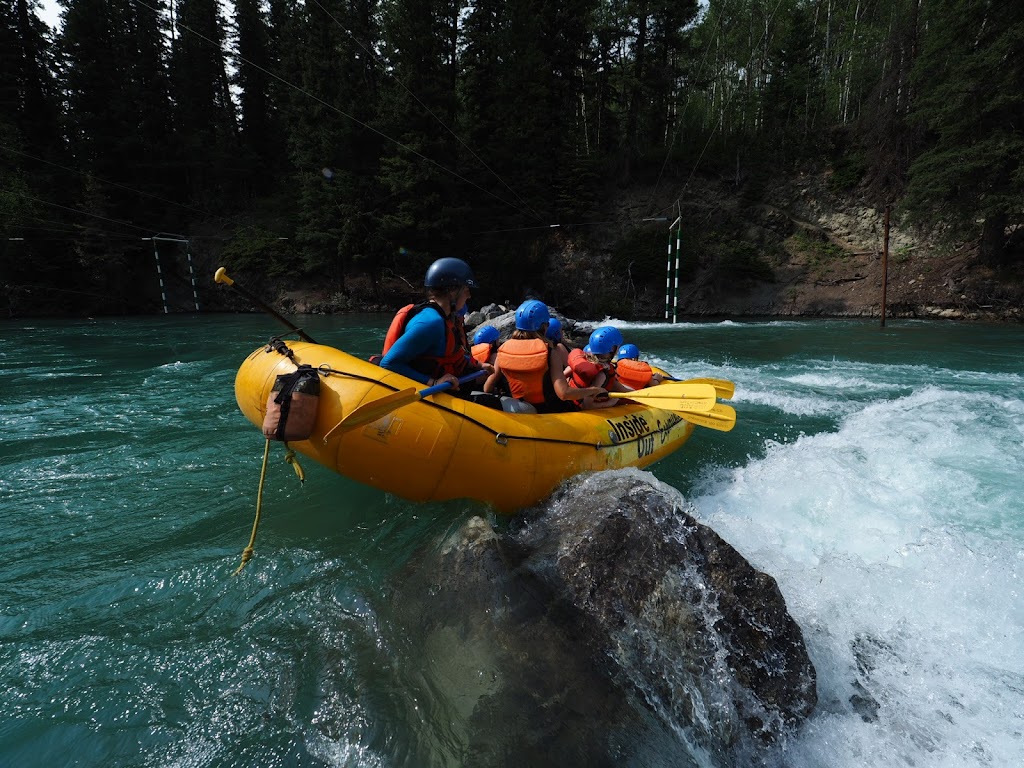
[348,142]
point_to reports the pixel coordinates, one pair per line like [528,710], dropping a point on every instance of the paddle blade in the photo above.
[675,404]
[723,388]
[382,406]
[722,417]
[674,396]
[372,411]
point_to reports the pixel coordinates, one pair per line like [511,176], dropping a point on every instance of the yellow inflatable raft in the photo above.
[442,447]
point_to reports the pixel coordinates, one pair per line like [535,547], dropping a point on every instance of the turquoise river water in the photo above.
[876,474]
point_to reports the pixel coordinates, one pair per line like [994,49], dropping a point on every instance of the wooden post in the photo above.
[885,260]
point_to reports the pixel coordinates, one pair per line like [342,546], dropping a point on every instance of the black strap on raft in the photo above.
[289,382]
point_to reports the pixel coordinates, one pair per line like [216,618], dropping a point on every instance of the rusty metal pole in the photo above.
[885,260]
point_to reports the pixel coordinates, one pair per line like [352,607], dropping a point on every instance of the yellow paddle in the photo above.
[724,389]
[382,406]
[722,417]
[674,396]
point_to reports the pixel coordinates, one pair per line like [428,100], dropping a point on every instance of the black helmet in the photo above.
[449,273]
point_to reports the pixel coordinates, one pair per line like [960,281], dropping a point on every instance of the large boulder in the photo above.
[605,623]
[504,320]
[677,612]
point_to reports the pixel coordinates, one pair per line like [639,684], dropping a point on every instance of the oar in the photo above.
[722,417]
[382,406]
[674,396]
[723,388]
[221,276]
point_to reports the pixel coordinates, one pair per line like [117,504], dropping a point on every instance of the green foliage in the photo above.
[735,262]
[848,171]
[642,254]
[204,113]
[970,100]
[257,249]
[382,133]
[818,249]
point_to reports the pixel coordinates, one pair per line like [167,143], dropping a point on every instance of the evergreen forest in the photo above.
[335,141]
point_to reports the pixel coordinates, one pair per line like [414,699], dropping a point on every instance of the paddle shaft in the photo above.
[382,406]
[222,277]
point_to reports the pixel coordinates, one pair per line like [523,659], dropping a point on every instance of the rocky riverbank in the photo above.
[796,249]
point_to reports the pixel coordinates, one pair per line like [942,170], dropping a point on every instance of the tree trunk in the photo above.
[636,91]
[993,240]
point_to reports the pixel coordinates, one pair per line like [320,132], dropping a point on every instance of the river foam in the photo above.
[899,547]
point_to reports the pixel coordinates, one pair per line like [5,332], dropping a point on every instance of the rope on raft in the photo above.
[247,552]
[289,458]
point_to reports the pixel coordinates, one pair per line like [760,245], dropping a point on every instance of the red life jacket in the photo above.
[454,359]
[583,371]
[481,352]
[635,374]
[525,365]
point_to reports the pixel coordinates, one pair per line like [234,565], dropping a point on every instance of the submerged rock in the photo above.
[606,627]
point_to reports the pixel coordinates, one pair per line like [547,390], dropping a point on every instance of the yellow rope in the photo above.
[289,457]
[247,552]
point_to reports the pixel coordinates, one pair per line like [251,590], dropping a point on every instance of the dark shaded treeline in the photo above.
[333,138]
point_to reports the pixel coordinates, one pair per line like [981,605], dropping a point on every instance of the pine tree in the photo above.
[418,111]
[970,88]
[117,122]
[30,144]
[204,115]
[891,139]
[509,113]
[261,136]
[332,145]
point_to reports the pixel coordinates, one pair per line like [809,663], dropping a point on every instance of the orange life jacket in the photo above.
[635,374]
[454,359]
[525,365]
[481,352]
[583,371]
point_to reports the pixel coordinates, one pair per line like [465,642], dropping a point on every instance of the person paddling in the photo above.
[423,341]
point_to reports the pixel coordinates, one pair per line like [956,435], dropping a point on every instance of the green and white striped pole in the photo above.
[671,305]
[668,275]
[679,250]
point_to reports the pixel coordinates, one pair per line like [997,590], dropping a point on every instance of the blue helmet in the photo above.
[554,330]
[628,352]
[486,334]
[586,350]
[531,315]
[449,272]
[604,340]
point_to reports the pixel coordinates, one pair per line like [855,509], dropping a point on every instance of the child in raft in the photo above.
[533,367]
